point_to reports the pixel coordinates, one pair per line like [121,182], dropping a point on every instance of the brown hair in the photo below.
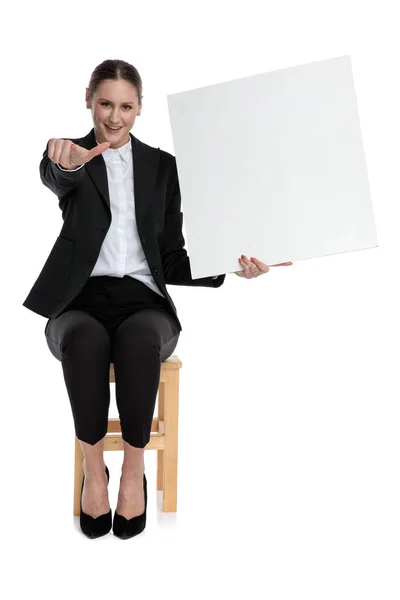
[115,69]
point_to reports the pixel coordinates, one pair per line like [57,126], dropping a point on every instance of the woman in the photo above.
[103,286]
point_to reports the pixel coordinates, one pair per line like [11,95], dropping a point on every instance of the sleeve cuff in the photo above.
[70,170]
[218,280]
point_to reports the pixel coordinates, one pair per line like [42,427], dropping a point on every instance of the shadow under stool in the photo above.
[163,437]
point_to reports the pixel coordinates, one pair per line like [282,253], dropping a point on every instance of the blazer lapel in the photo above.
[145,167]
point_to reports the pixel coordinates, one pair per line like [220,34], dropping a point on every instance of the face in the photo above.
[114,103]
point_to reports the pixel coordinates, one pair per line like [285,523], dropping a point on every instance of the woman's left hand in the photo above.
[254,268]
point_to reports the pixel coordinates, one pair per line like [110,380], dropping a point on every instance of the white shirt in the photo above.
[121,252]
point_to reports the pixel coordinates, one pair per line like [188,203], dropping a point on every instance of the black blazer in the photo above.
[85,205]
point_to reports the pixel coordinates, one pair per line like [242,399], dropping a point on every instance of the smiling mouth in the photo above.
[112,129]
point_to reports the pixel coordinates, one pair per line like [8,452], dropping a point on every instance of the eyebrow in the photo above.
[105,99]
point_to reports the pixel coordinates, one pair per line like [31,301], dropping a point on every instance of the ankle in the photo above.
[128,473]
[94,470]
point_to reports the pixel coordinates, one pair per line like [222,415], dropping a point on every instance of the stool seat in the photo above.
[163,437]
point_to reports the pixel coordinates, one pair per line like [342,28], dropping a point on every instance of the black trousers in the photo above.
[119,320]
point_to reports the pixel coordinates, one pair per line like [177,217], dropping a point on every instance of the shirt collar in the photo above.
[124,151]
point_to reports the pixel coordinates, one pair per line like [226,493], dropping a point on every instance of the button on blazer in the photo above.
[85,204]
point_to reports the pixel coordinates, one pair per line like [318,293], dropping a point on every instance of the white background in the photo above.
[289,399]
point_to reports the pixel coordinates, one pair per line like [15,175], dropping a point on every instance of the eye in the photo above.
[104,103]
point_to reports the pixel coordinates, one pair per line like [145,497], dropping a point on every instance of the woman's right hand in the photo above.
[62,152]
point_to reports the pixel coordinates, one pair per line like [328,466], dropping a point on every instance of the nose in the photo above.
[114,116]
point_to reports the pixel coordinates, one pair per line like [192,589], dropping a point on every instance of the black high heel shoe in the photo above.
[95,527]
[127,528]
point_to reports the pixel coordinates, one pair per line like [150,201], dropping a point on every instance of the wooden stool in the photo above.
[163,437]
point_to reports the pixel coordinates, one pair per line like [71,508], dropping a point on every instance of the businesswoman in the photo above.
[103,286]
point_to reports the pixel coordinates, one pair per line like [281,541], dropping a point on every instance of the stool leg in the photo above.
[160,453]
[171,441]
[78,477]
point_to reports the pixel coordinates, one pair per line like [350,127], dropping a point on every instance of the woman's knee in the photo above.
[145,330]
[80,331]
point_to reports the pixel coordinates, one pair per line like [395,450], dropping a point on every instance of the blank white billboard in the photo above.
[272,166]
